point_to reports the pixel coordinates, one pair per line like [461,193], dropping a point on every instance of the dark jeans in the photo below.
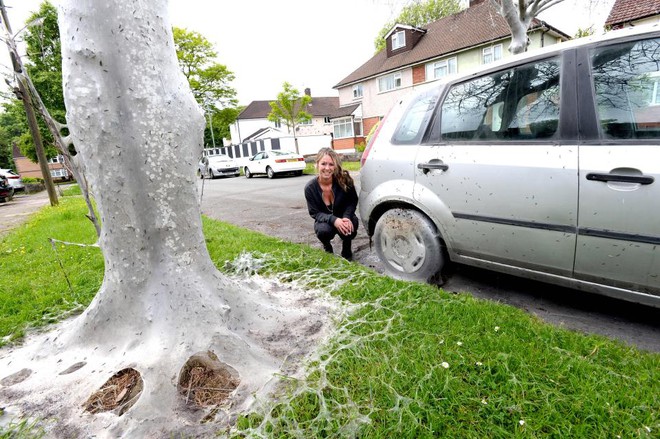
[325,232]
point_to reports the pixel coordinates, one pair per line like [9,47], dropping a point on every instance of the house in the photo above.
[628,13]
[414,56]
[252,126]
[27,168]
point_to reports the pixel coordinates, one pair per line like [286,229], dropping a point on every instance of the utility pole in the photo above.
[24,95]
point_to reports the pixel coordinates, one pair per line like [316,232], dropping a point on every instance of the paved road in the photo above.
[277,208]
[13,213]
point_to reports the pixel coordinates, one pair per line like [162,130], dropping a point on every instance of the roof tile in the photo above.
[624,11]
[473,26]
[319,107]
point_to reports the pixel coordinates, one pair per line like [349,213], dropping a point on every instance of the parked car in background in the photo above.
[14,179]
[6,191]
[274,162]
[218,166]
[545,166]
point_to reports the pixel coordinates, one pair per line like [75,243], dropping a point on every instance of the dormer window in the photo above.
[398,40]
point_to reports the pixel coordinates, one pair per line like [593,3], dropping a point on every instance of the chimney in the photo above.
[475,2]
[308,92]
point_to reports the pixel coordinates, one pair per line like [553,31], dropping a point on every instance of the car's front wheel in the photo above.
[247,172]
[269,172]
[408,244]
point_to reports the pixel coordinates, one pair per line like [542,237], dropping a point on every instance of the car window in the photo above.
[517,104]
[414,121]
[627,87]
[259,156]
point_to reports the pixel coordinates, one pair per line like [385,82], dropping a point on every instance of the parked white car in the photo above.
[274,162]
[14,179]
[217,166]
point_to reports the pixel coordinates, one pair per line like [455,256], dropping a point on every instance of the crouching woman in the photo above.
[332,201]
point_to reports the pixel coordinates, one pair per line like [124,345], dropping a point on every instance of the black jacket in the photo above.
[344,205]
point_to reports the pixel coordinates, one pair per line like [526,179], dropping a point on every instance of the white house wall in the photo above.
[317,127]
[250,126]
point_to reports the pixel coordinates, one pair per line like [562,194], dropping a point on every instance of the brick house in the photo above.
[27,168]
[414,57]
[628,13]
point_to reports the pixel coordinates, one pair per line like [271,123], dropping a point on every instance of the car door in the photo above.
[257,165]
[619,222]
[495,160]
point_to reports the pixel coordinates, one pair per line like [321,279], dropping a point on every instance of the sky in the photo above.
[308,43]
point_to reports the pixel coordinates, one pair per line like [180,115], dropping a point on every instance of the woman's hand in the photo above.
[344,226]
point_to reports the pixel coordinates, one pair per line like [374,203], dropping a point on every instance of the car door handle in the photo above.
[432,165]
[639,179]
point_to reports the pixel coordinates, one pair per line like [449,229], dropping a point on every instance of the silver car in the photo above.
[542,166]
[14,179]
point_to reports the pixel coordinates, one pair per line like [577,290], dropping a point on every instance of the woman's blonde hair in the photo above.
[343,177]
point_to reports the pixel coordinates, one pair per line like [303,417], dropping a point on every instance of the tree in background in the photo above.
[221,120]
[419,13]
[209,81]
[290,109]
[43,62]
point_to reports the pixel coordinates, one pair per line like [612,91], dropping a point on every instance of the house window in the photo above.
[326,120]
[59,173]
[343,128]
[277,124]
[442,68]
[491,54]
[357,91]
[398,40]
[305,122]
[57,159]
[389,82]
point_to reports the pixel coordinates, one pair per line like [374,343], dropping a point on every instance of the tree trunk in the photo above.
[518,23]
[138,132]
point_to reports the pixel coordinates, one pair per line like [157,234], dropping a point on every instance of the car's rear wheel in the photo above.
[269,172]
[408,244]
[247,172]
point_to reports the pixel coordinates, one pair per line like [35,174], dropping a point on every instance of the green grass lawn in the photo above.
[410,361]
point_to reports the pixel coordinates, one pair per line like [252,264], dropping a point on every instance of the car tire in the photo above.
[247,172]
[408,244]
[269,172]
